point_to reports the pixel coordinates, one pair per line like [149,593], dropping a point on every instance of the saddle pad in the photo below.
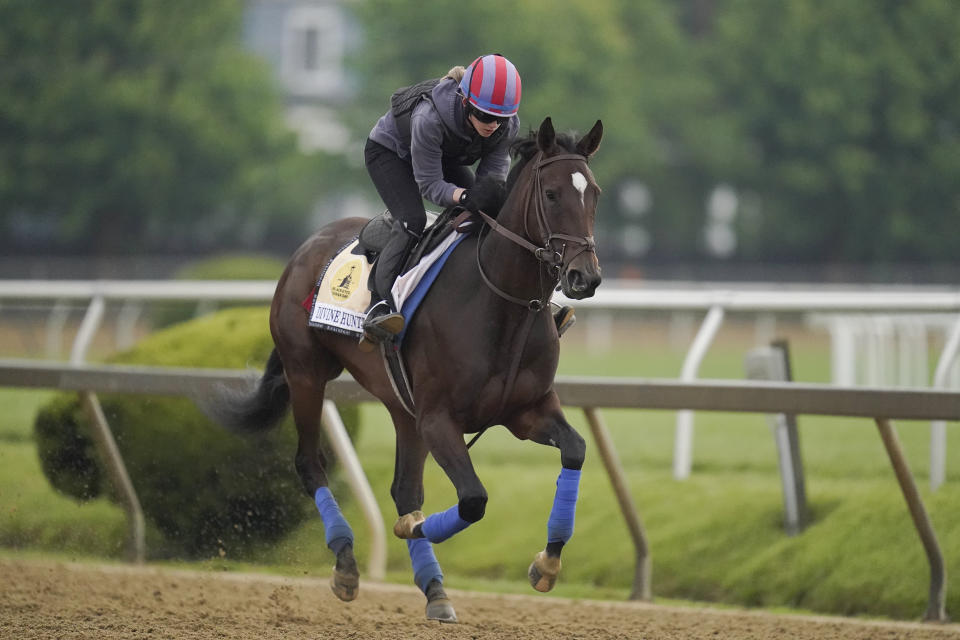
[341,297]
[410,288]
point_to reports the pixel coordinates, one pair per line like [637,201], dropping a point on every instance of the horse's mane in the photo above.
[523,149]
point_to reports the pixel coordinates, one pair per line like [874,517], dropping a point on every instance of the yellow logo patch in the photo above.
[346,280]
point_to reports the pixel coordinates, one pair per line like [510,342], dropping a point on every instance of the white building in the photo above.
[306,42]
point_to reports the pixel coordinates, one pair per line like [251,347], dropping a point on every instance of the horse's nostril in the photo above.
[577,282]
[583,284]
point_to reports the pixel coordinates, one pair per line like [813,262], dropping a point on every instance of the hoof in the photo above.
[441,610]
[345,585]
[438,606]
[405,525]
[543,572]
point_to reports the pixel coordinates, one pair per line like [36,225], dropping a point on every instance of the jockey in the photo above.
[423,148]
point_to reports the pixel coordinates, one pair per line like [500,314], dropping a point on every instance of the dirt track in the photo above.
[49,600]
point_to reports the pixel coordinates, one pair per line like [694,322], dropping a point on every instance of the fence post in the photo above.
[773,363]
[117,471]
[683,438]
[936,605]
[88,328]
[642,589]
[938,428]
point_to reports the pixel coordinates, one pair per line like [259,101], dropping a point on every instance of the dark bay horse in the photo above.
[482,350]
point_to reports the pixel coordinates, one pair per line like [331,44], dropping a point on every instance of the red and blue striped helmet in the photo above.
[492,85]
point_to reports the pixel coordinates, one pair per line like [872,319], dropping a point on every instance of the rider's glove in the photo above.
[487,196]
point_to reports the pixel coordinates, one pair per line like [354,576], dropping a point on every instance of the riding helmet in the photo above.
[492,85]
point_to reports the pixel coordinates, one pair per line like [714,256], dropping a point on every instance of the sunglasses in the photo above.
[487,118]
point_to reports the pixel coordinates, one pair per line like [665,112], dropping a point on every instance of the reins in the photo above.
[556,261]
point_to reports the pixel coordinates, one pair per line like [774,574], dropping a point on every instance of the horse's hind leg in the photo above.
[545,424]
[407,492]
[306,398]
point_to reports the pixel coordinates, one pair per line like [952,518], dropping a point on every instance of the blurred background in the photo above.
[745,140]
[750,146]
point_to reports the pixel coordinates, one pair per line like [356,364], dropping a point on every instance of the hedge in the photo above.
[208,491]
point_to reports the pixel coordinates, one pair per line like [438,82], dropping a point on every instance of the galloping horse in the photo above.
[482,350]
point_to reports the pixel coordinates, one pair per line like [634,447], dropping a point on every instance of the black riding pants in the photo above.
[393,178]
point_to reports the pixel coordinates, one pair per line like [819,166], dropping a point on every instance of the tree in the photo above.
[849,111]
[138,125]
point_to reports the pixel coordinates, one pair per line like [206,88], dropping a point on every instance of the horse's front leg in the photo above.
[545,424]
[420,532]
[445,443]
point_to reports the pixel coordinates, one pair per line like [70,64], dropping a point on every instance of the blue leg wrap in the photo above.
[560,524]
[425,565]
[440,526]
[339,533]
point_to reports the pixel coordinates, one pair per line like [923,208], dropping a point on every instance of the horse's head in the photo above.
[565,200]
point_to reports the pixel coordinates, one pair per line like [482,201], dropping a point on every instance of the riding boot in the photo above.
[384,321]
[564,319]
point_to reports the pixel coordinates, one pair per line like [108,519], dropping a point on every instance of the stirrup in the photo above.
[380,325]
[564,318]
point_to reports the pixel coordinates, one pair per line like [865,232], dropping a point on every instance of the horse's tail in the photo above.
[255,410]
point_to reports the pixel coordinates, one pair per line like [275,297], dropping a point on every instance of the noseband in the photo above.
[557,261]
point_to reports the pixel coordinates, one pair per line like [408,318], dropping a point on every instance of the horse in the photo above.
[482,351]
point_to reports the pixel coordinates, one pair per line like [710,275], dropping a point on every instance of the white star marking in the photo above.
[579,183]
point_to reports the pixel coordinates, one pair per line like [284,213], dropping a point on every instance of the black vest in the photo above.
[454,148]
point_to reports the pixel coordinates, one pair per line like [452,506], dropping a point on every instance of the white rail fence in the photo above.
[590,394]
[861,321]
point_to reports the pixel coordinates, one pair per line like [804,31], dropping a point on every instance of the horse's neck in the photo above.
[513,268]
[505,327]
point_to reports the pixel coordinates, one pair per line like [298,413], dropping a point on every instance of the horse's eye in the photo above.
[551,195]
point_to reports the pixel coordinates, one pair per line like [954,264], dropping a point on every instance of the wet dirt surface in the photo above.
[52,600]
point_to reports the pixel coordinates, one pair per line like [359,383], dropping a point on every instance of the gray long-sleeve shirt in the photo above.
[438,126]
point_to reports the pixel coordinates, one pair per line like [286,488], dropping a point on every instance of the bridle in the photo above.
[557,261]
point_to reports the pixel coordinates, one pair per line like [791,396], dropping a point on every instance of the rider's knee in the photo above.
[472,508]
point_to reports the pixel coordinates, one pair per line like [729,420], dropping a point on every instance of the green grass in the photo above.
[19,409]
[33,515]
[716,537]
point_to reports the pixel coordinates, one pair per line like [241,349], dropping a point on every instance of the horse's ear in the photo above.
[546,136]
[589,143]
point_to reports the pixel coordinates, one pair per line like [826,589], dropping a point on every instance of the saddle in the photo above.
[375,233]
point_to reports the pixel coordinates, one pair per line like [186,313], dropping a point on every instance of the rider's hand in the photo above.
[487,196]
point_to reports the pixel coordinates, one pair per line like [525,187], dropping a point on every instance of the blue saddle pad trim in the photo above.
[412,303]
